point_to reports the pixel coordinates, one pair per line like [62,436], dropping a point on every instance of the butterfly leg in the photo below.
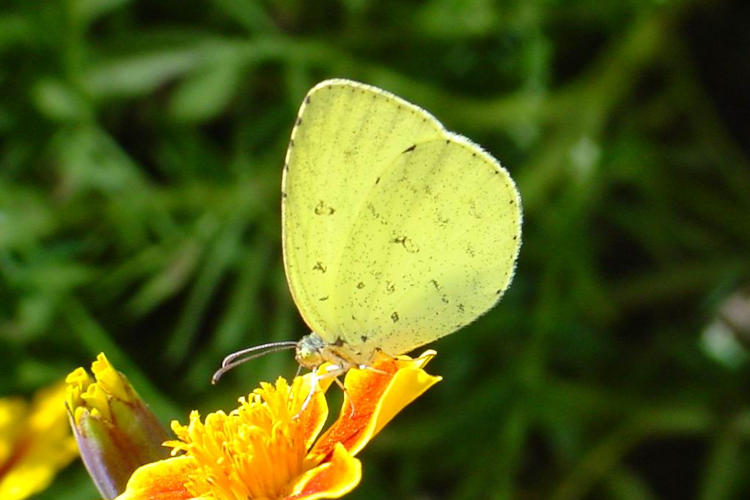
[331,371]
[373,369]
[308,398]
[377,370]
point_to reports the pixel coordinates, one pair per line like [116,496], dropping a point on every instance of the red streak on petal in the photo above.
[364,388]
[19,451]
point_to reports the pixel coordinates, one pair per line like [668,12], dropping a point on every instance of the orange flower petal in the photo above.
[314,416]
[373,398]
[162,480]
[333,479]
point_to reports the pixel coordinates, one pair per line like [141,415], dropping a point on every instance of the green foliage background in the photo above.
[141,146]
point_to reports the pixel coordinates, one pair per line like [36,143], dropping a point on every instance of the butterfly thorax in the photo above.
[312,351]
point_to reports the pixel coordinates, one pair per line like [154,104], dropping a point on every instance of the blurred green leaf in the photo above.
[58,101]
[89,10]
[207,93]
[142,73]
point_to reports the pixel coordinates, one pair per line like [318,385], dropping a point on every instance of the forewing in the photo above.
[346,134]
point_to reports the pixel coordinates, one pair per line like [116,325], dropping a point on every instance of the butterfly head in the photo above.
[309,351]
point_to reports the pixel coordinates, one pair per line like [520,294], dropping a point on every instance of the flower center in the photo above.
[256,451]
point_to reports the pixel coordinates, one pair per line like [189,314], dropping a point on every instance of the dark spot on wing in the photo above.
[339,342]
[299,121]
[307,100]
[410,149]
[407,243]
[473,211]
[360,285]
[377,181]
[323,299]
[320,267]
[376,215]
[390,287]
[373,211]
[460,308]
[394,316]
[363,338]
[322,209]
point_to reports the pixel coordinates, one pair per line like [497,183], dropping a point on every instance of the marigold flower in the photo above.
[115,430]
[35,442]
[270,447]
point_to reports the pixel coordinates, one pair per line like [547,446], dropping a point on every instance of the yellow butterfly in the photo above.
[396,231]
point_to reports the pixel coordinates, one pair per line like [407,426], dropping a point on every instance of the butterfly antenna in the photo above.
[266,348]
[242,356]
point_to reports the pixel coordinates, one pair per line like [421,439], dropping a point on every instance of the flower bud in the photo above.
[115,430]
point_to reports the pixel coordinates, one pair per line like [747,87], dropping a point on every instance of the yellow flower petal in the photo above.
[12,411]
[163,480]
[408,383]
[332,479]
[38,444]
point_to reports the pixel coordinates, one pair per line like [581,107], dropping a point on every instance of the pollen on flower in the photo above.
[256,450]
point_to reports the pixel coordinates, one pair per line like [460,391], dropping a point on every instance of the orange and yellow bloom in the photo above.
[35,442]
[273,445]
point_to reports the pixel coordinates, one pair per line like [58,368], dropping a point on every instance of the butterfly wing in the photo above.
[346,133]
